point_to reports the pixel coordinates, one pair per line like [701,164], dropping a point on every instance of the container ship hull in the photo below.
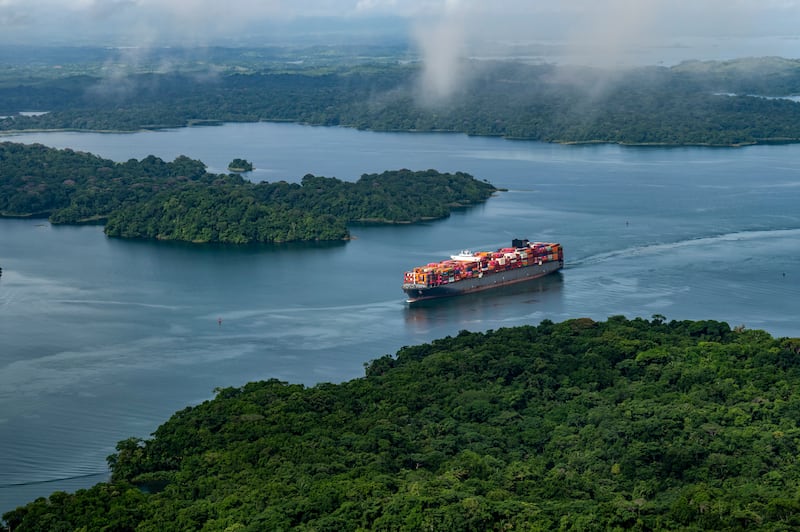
[475,272]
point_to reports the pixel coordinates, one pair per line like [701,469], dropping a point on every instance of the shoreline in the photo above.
[213,123]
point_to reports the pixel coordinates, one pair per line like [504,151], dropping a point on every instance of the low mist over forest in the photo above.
[719,103]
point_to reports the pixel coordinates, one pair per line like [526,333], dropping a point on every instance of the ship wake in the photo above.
[701,242]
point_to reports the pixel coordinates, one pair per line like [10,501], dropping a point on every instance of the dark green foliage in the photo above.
[240,165]
[686,104]
[118,507]
[402,196]
[649,425]
[181,201]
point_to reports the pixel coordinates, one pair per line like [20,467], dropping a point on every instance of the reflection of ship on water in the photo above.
[542,294]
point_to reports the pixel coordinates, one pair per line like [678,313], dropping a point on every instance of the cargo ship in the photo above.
[470,272]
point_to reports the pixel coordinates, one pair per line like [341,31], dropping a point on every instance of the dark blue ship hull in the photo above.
[487,281]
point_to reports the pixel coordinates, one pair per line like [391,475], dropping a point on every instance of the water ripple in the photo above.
[653,249]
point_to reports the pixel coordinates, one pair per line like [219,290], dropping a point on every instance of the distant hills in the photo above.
[715,103]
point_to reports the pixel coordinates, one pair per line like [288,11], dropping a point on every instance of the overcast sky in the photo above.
[751,27]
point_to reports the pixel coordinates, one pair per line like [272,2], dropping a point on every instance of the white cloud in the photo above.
[601,32]
[441,42]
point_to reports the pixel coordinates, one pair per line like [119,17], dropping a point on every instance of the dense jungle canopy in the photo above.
[720,103]
[155,199]
[580,425]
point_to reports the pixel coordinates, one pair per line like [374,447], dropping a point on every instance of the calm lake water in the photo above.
[103,339]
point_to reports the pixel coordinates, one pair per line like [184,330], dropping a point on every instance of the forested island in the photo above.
[180,200]
[584,425]
[240,165]
[718,103]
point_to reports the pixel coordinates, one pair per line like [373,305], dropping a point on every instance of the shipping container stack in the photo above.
[451,271]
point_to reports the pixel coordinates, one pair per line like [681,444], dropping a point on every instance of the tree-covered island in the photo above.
[240,165]
[581,425]
[179,200]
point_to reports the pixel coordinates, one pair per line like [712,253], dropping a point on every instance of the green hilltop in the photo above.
[580,425]
[179,200]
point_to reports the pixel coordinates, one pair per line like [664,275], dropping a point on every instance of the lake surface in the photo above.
[104,339]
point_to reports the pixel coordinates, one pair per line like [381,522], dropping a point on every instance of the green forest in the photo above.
[722,103]
[179,200]
[580,425]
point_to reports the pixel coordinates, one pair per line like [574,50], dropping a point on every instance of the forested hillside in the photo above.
[699,103]
[155,199]
[580,425]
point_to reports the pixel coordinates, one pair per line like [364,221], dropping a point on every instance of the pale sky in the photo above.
[449,27]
